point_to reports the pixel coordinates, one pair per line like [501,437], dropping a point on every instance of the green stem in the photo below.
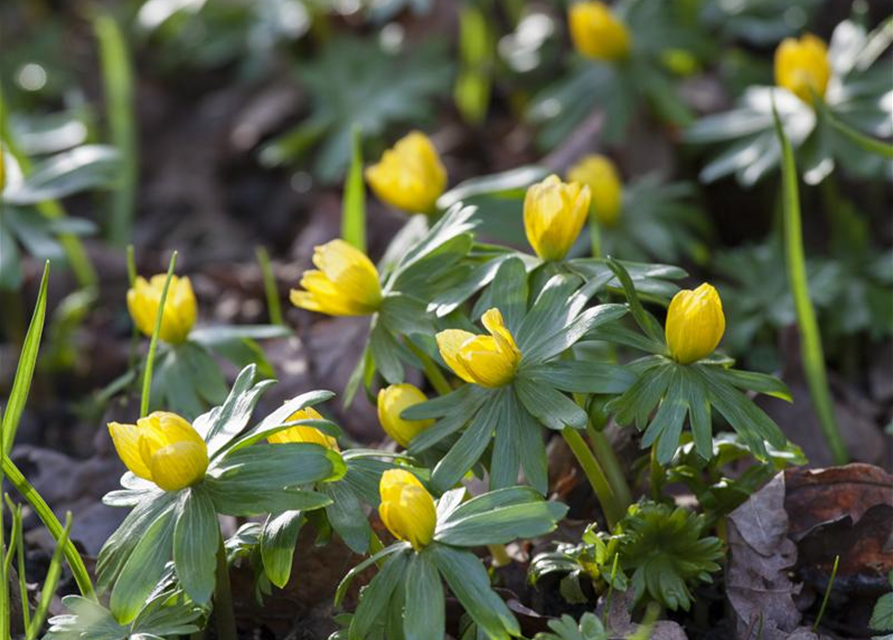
[810,338]
[432,371]
[591,467]
[595,235]
[603,450]
[274,308]
[499,556]
[5,621]
[46,515]
[153,344]
[223,599]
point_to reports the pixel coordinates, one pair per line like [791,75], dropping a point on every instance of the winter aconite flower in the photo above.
[392,401]
[407,509]
[554,215]
[600,175]
[162,448]
[304,433]
[490,361]
[180,307]
[345,284]
[802,67]
[410,176]
[597,33]
[695,324]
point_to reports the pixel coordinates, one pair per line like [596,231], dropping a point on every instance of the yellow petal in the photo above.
[695,324]
[802,67]
[554,215]
[126,440]
[407,509]
[601,176]
[410,176]
[304,434]
[449,343]
[179,465]
[180,307]
[597,33]
[392,401]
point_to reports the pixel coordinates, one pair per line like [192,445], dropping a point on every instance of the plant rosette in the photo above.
[406,596]
[515,393]
[242,478]
[828,122]
[689,384]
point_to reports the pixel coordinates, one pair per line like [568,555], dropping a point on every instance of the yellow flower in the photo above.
[601,176]
[597,33]
[304,434]
[802,66]
[162,448]
[554,215]
[695,324]
[410,176]
[346,283]
[407,509]
[489,361]
[180,307]
[392,401]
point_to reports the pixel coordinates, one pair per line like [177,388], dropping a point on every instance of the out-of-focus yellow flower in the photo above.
[392,401]
[304,434]
[601,176]
[180,307]
[162,448]
[410,176]
[346,283]
[554,215]
[695,324]
[490,361]
[407,509]
[802,66]
[597,33]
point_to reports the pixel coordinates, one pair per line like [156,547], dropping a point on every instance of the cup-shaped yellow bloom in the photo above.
[180,307]
[304,434]
[554,215]
[407,509]
[695,324]
[345,284]
[410,176]
[802,66]
[490,361]
[601,176]
[162,448]
[597,33]
[392,401]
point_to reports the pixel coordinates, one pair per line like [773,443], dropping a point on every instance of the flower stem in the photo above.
[274,308]
[593,470]
[223,598]
[432,371]
[153,344]
[604,452]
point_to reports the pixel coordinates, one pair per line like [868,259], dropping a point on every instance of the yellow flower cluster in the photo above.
[802,67]
[490,361]
[695,324]
[410,176]
[597,33]
[162,448]
[180,307]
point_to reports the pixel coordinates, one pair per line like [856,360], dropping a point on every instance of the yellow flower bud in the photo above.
[304,434]
[392,401]
[407,509]
[802,66]
[601,176]
[410,176]
[554,215]
[180,307]
[346,283]
[597,33]
[490,361]
[695,324]
[162,448]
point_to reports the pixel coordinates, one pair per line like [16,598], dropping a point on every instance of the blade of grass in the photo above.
[274,307]
[17,546]
[353,213]
[818,620]
[46,515]
[863,141]
[4,580]
[25,370]
[117,75]
[50,584]
[153,344]
[596,476]
[810,337]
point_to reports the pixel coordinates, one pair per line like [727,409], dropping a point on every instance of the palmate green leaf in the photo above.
[424,615]
[278,418]
[566,628]
[508,293]
[505,461]
[647,323]
[377,595]
[196,537]
[552,408]
[21,385]
[513,182]
[454,410]
[499,519]
[346,515]
[882,614]
[582,377]
[277,545]
[469,582]
[81,168]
